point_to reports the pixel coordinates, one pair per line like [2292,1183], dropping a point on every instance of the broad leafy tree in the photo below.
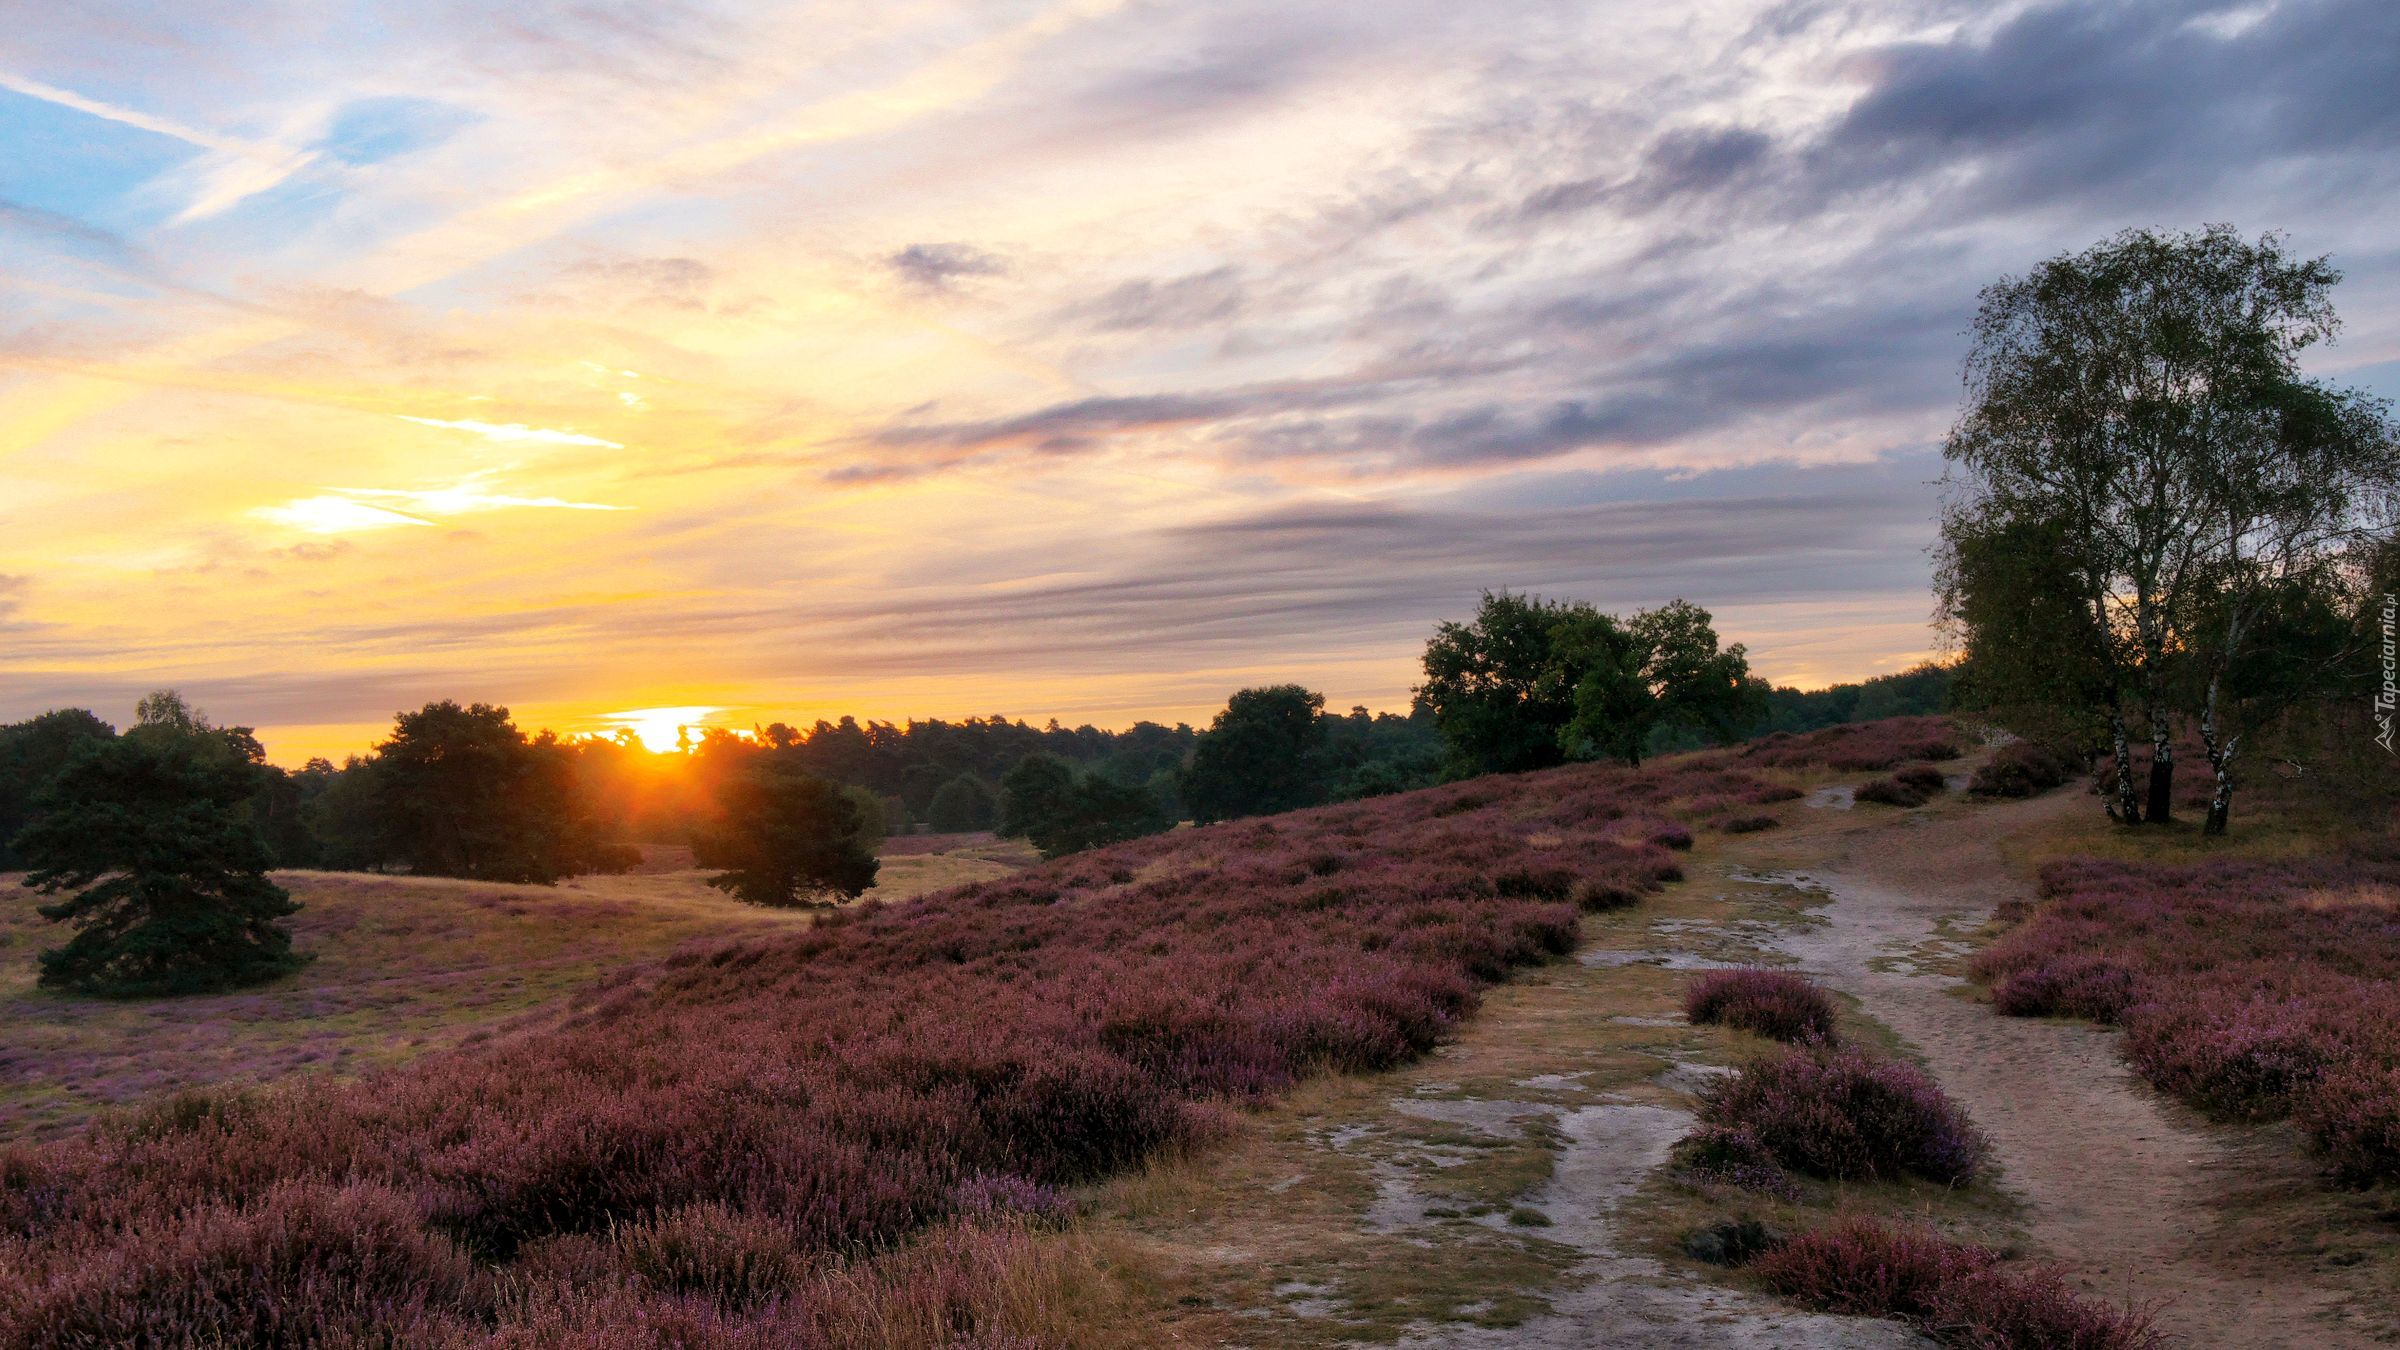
[785,838]
[151,838]
[459,791]
[1496,687]
[2142,402]
[1267,752]
[1656,675]
[1060,811]
[1037,788]
[961,805]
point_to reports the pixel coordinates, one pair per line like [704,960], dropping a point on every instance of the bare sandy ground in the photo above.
[2116,1181]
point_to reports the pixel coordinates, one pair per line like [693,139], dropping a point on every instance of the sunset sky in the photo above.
[1086,360]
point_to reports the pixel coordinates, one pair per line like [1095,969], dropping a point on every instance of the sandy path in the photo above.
[2116,1185]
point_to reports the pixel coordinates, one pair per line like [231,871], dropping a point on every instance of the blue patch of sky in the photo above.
[370,131]
[88,168]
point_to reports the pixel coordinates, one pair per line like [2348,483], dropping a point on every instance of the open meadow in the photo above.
[401,966]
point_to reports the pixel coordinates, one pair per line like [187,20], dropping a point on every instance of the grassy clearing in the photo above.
[403,965]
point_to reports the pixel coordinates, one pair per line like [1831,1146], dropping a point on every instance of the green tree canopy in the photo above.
[1267,752]
[961,805]
[1650,677]
[2143,403]
[1036,789]
[1060,811]
[785,838]
[31,754]
[459,791]
[152,834]
[1497,687]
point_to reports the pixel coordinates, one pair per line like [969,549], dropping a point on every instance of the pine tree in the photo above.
[152,834]
[786,839]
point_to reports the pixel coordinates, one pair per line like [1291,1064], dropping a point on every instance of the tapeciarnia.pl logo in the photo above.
[2387,699]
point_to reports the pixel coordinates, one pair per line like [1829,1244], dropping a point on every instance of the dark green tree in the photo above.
[153,835]
[461,792]
[1614,709]
[786,839]
[1654,678]
[1267,752]
[961,805]
[31,754]
[1036,789]
[1496,687]
[2144,399]
[1060,811]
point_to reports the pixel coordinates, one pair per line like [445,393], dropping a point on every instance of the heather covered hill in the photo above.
[400,966]
[695,1148]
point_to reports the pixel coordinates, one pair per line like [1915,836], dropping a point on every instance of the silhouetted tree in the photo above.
[1060,811]
[960,805]
[1652,678]
[786,838]
[1265,753]
[152,833]
[1036,789]
[31,754]
[460,792]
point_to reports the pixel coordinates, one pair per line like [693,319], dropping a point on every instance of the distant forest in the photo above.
[601,794]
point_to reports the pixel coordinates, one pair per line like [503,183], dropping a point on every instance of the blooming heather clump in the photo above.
[705,1148]
[2254,990]
[2020,769]
[1772,1003]
[1861,1268]
[1959,1293]
[1856,747]
[1839,1114]
[1912,786]
[1714,1155]
[1745,824]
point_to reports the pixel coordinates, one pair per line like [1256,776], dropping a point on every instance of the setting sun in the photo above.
[661,730]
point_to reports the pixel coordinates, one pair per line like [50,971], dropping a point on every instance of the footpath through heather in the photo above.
[2123,1188]
[1512,1190]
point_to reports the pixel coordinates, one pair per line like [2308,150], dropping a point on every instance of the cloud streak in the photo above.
[1080,357]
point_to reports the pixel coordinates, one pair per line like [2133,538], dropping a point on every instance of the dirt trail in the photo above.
[2116,1183]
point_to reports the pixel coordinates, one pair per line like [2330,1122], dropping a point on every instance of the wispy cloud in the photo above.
[349,510]
[953,320]
[514,433]
[232,170]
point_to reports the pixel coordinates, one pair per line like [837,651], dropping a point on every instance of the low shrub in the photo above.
[1746,824]
[2243,1060]
[1730,1242]
[1671,836]
[1715,1155]
[1912,786]
[2020,769]
[1838,1114]
[2098,988]
[1858,747]
[1861,1268]
[1956,1292]
[1775,1004]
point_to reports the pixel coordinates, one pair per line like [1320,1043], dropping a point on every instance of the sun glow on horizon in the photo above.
[662,731]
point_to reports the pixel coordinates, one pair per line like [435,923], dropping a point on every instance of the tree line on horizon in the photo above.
[163,837]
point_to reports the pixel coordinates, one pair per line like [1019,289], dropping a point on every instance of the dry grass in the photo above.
[402,965]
